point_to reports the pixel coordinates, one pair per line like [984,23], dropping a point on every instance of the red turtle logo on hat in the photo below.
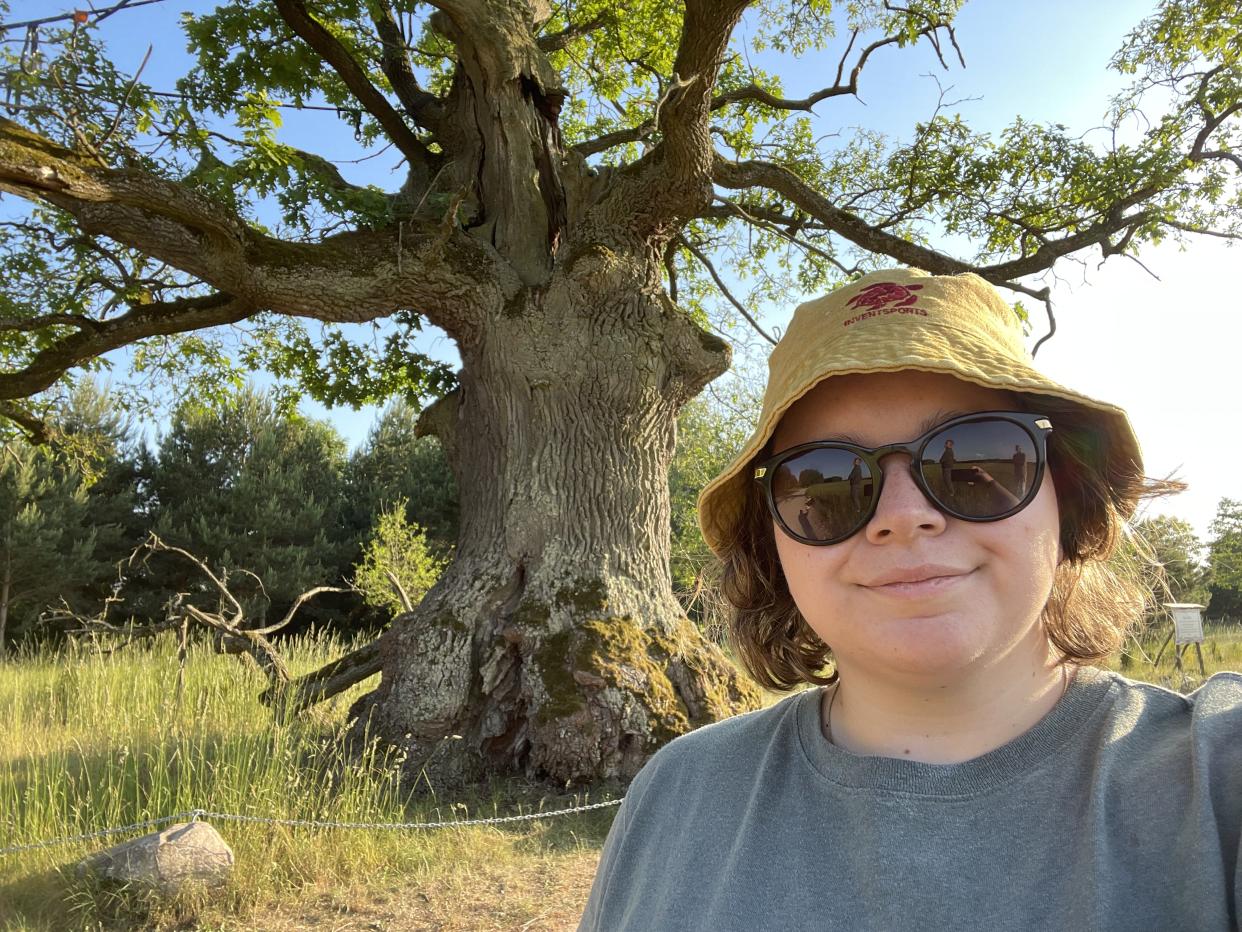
[885,294]
[884,298]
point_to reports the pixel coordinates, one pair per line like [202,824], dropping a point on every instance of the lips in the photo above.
[918,579]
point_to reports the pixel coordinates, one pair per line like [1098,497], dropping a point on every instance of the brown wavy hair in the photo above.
[1099,591]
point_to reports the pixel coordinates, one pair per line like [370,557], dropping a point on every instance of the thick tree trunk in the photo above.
[554,646]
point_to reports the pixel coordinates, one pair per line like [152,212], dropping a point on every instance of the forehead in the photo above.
[883,407]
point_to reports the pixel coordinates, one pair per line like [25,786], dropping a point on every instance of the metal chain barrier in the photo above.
[195,814]
[69,839]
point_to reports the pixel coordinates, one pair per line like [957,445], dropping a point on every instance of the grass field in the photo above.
[90,741]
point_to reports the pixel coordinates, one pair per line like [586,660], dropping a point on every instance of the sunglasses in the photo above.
[978,467]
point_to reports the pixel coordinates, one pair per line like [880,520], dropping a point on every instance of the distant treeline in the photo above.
[252,488]
[245,486]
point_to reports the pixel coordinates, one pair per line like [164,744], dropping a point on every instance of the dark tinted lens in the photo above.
[980,469]
[822,494]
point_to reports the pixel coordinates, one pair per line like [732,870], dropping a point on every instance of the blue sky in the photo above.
[1163,349]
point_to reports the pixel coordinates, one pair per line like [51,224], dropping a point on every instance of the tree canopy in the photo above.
[1225,560]
[1176,548]
[142,228]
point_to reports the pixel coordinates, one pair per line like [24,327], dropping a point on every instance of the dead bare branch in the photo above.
[230,634]
[328,680]
[402,595]
[297,604]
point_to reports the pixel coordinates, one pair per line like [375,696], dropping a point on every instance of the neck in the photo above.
[943,721]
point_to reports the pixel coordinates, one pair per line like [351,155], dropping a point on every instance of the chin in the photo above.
[926,646]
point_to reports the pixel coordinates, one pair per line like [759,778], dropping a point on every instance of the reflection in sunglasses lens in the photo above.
[822,494]
[980,469]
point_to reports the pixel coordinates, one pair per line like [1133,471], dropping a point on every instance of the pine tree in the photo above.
[249,488]
[395,463]
[47,546]
[1225,560]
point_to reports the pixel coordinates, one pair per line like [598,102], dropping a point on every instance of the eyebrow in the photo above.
[928,423]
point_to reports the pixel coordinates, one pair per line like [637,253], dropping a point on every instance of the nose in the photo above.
[903,512]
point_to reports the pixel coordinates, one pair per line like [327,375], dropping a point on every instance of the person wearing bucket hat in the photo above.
[926,530]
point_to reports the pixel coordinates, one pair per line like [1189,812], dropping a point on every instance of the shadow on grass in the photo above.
[70,793]
[36,901]
[547,835]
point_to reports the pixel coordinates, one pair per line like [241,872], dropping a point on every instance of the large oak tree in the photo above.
[573,176]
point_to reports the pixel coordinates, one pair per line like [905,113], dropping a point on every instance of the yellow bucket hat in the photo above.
[885,322]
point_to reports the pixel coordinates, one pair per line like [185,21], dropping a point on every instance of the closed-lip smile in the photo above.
[917,577]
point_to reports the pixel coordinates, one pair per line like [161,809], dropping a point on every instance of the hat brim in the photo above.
[720,503]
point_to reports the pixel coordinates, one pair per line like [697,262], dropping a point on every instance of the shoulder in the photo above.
[1216,703]
[1202,728]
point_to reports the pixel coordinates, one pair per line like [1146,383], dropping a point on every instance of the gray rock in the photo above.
[188,852]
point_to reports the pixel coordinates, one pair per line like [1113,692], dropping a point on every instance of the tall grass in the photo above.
[91,741]
[1221,651]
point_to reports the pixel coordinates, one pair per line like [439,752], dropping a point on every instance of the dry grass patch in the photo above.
[540,893]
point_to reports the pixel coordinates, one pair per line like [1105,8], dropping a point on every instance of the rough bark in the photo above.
[553,645]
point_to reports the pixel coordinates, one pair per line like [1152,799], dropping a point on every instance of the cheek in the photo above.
[807,570]
[1049,511]
[1047,517]
[1031,540]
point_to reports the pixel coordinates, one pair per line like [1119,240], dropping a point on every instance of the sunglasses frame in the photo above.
[1036,426]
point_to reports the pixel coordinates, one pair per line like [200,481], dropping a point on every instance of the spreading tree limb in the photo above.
[326,45]
[329,680]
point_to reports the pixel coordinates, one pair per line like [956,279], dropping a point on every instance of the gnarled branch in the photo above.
[103,336]
[673,180]
[354,276]
[328,680]
[422,106]
[326,45]
[230,632]
[740,175]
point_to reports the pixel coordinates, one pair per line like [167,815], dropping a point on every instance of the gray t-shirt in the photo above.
[1120,809]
